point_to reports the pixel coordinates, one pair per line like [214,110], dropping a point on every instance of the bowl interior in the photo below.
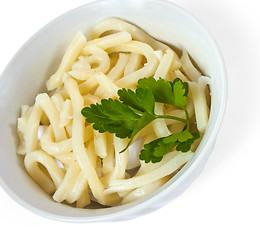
[26,74]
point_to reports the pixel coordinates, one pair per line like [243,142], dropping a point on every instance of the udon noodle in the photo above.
[73,162]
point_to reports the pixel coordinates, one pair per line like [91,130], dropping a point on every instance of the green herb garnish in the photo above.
[155,150]
[135,110]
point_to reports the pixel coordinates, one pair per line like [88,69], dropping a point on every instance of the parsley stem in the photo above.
[187,118]
[171,117]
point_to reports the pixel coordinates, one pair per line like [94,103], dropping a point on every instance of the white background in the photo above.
[224,202]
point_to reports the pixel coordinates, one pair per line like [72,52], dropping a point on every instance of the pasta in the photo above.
[76,164]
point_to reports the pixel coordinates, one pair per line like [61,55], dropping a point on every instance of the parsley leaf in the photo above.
[112,116]
[180,92]
[142,99]
[161,89]
[174,93]
[146,153]
[155,150]
[186,145]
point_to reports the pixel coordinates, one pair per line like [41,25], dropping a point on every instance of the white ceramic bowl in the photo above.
[27,72]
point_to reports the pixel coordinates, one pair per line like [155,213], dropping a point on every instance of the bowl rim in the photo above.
[198,158]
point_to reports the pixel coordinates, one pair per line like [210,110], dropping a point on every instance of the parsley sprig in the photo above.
[135,110]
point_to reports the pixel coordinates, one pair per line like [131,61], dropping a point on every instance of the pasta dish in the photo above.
[76,163]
